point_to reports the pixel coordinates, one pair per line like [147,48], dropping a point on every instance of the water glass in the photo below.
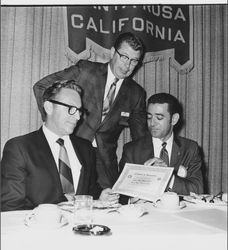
[83,206]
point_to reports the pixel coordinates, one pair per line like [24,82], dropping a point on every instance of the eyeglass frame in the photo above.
[122,58]
[70,107]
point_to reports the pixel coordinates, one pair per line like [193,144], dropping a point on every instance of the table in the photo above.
[157,230]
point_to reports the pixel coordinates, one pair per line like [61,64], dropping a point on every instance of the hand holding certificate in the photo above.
[144,182]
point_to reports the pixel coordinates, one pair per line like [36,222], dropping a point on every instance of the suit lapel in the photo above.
[119,100]
[148,146]
[176,153]
[47,158]
[81,160]
[101,77]
[146,151]
[121,96]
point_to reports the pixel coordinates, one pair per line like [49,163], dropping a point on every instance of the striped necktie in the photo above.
[64,169]
[109,98]
[164,154]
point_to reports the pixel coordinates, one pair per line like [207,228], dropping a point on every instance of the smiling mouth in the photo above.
[124,71]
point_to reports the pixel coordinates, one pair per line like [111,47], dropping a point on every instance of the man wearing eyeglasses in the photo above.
[50,165]
[113,101]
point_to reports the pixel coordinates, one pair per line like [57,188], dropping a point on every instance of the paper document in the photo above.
[144,182]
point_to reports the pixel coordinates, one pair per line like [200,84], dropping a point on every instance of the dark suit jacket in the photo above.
[128,109]
[29,175]
[185,152]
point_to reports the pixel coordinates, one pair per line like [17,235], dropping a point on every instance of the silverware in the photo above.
[113,210]
[190,201]
[204,199]
[67,210]
[214,196]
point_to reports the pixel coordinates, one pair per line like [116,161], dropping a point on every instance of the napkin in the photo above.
[132,211]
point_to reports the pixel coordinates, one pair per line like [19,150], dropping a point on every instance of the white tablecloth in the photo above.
[157,230]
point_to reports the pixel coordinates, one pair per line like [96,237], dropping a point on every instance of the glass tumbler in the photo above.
[83,206]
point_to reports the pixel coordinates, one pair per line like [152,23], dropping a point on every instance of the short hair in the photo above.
[174,105]
[134,41]
[55,88]
[52,91]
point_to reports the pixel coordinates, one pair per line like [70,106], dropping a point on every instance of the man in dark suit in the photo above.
[163,113]
[36,169]
[102,125]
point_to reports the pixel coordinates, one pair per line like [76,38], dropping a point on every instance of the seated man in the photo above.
[45,166]
[164,148]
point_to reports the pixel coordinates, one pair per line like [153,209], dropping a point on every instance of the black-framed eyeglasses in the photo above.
[71,109]
[126,59]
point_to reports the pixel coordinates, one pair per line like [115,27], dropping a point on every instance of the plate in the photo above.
[132,211]
[31,222]
[67,206]
[104,204]
[92,229]
[159,206]
[97,204]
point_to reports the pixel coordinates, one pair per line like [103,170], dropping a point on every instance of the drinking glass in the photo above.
[83,206]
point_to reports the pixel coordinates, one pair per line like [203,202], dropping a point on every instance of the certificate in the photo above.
[144,182]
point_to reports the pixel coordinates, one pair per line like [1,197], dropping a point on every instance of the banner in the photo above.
[164,29]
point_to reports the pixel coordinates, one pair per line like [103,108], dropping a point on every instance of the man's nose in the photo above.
[77,115]
[128,64]
[151,122]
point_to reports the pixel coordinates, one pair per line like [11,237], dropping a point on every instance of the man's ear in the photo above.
[175,118]
[48,107]
[112,52]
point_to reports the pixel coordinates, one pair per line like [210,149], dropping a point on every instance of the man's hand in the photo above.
[136,200]
[108,195]
[155,161]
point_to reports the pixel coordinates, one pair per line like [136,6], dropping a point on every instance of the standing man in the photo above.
[164,148]
[113,101]
[48,165]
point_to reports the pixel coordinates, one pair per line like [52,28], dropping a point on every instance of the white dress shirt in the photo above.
[158,146]
[157,143]
[55,147]
[109,81]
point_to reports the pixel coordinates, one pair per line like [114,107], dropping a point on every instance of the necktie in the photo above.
[109,98]
[164,154]
[64,169]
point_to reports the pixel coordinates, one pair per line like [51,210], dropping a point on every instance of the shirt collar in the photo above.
[51,136]
[110,77]
[159,141]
